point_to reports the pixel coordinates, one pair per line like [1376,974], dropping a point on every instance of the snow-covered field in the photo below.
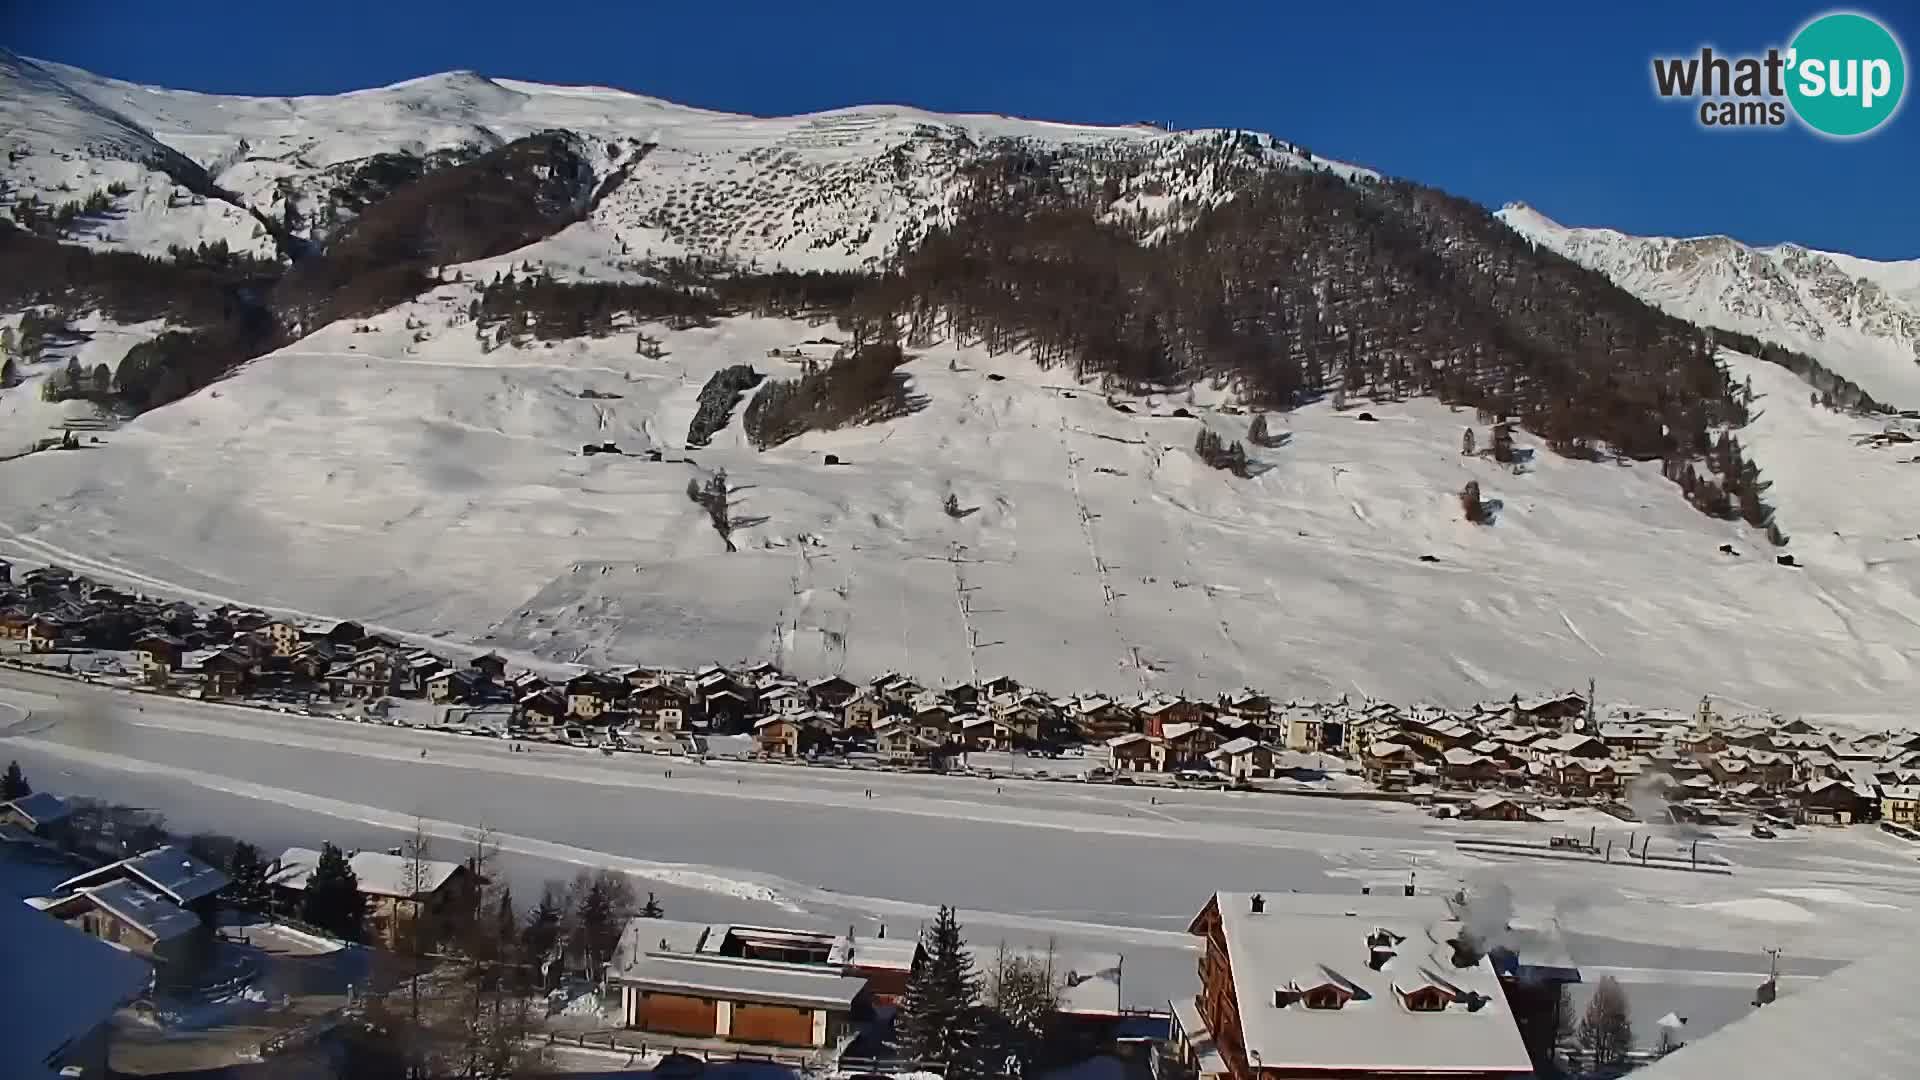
[1094,866]
[435,489]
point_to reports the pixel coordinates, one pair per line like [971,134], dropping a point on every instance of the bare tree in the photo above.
[1606,1031]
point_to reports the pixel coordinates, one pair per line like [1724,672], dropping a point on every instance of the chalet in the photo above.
[1247,705]
[1493,807]
[1624,740]
[897,690]
[984,734]
[1388,764]
[782,699]
[897,743]
[6,572]
[591,693]
[42,814]
[1555,709]
[1242,760]
[311,662]
[1099,719]
[1464,767]
[347,634]
[1309,731]
[13,624]
[1900,804]
[962,695]
[661,706]
[45,631]
[169,871]
[1133,752]
[491,665]
[705,995]
[157,653]
[758,676]
[935,722]
[128,913]
[1573,744]
[1184,745]
[1000,685]
[1357,988]
[225,673]
[726,711]
[402,893]
[454,686]
[864,711]
[284,638]
[831,693]
[542,709]
[777,736]
[1577,776]
[369,675]
[1440,734]
[1157,716]
[1833,802]
[421,666]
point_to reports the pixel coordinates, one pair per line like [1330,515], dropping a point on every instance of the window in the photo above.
[1324,997]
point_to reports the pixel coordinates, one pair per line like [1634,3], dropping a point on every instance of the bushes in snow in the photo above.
[717,400]
[863,387]
[1219,454]
[1471,505]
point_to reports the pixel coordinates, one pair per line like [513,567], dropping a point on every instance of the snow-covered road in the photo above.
[1094,865]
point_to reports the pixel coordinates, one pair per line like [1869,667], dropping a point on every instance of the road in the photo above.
[1114,868]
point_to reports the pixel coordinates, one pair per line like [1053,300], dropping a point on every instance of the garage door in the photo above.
[776,1024]
[672,1014]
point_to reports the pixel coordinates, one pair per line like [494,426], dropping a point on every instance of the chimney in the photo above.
[1279,998]
[1409,888]
[1366,890]
[1259,905]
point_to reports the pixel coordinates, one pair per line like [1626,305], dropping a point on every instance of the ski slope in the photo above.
[435,489]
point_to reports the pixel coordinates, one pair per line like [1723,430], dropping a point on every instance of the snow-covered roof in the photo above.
[1177,731]
[1294,947]
[725,978]
[1900,791]
[148,910]
[1571,741]
[641,936]
[1857,1023]
[1236,747]
[170,870]
[42,808]
[378,873]
[1127,739]
[59,984]
[1489,801]
[877,953]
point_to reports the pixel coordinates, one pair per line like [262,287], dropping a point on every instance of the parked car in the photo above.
[1761,832]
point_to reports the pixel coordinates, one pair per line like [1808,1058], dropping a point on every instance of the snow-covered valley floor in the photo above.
[431,488]
[1090,866]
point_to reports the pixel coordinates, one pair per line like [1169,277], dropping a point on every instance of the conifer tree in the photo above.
[14,785]
[939,1014]
[247,877]
[1257,433]
[332,900]
[651,909]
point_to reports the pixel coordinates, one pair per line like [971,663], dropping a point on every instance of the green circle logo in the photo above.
[1847,74]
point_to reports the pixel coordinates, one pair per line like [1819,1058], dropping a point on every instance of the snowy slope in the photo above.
[832,190]
[1858,317]
[429,487]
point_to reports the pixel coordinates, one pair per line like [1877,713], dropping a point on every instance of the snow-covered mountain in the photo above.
[1858,317]
[827,191]
[392,468]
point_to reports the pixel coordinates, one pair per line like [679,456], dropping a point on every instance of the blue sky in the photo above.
[1519,101]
